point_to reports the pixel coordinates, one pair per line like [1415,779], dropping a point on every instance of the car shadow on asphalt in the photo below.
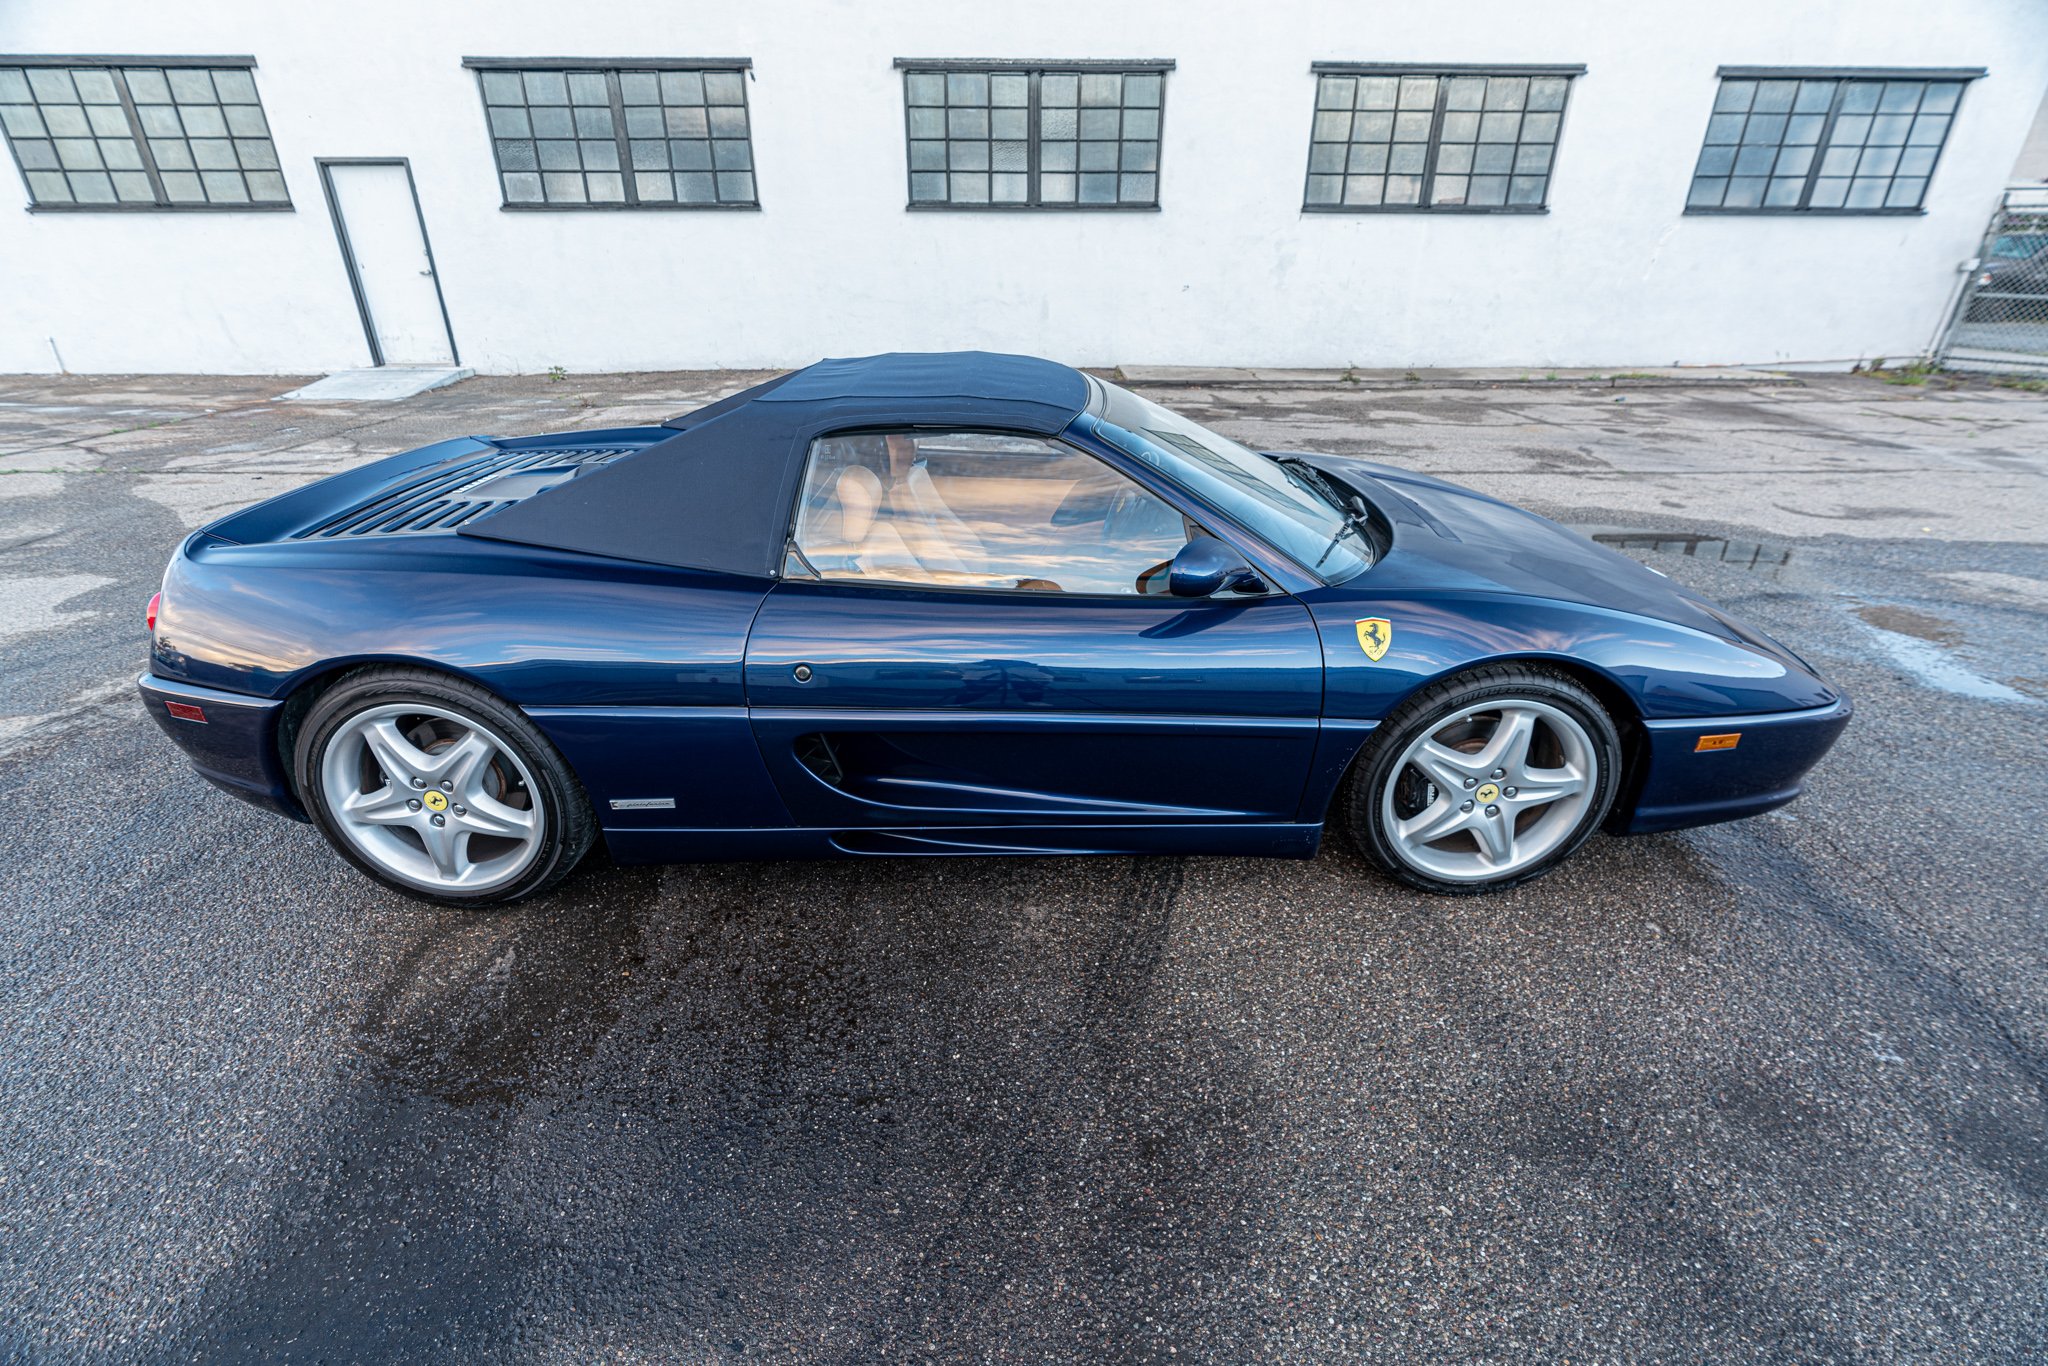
[1089,1109]
[731,1090]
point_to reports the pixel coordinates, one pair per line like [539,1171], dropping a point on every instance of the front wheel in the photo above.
[438,789]
[1484,780]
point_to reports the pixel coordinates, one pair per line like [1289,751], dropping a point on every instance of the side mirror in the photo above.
[1206,566]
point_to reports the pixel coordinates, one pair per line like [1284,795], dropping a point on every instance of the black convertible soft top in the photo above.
[717,494]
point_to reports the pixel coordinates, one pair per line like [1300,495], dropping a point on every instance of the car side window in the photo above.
[979,510]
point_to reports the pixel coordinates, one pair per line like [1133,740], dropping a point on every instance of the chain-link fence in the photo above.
[2001,321]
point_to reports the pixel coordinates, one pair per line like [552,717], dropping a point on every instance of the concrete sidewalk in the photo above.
[1441,377]
[1842,454]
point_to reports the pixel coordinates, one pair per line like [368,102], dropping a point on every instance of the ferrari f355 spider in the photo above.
[949,604]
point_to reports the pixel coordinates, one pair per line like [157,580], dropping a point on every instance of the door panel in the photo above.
[380,226]
[928,706]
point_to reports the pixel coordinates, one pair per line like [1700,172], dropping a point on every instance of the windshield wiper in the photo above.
[1349,506]
[1311,478]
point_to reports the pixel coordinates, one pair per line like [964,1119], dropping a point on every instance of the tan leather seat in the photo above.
[865,536]
[936,535]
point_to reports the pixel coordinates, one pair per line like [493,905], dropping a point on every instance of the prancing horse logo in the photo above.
[1375,634]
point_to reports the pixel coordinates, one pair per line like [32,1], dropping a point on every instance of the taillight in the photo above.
[156,600]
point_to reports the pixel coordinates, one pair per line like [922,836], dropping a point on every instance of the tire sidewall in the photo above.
[566,832]
[1365,810]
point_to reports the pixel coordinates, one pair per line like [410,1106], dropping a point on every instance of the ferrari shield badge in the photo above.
[1375,634]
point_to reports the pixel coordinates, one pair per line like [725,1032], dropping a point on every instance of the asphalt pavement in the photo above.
[1774,1091]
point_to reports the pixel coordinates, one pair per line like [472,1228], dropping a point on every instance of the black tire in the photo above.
[569,826]
[1362,813]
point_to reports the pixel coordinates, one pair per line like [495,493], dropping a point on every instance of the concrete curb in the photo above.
[1218,377]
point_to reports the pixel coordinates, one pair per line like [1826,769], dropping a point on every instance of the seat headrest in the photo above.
[859,494]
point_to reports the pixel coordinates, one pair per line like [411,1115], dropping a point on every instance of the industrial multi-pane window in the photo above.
[1821,142]
[88,134]
[632,136]
[1412,138]
[1040,137]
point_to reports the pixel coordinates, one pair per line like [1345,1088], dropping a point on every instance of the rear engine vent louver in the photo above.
[446,496]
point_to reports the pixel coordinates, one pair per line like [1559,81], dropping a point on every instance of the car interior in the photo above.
[982,510]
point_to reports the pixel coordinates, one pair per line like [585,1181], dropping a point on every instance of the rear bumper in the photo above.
[1683,785]
[234,747]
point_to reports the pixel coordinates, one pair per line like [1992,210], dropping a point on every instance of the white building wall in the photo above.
[2032,167]
[1229,272]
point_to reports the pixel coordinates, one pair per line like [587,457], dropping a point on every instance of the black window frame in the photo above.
[612,68]
[1842,76]
[1036,70]
[118,65]
[1569,71]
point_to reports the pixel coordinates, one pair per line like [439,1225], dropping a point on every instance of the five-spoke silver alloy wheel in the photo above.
[1490,790]
[432,798]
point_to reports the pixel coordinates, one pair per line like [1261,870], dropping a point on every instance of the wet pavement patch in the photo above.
[1923,645]
[1907,622]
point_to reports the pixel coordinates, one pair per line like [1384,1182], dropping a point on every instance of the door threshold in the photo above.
[380,384]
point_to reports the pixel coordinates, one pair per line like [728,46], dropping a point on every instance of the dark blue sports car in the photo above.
[949,604]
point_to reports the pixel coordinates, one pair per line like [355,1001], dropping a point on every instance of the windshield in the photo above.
[2017,245]
[1292,508]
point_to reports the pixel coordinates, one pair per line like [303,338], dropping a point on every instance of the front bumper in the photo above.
[232,741]
[1683,785]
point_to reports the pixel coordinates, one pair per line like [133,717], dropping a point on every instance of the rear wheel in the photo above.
[438,789]
[1485,780]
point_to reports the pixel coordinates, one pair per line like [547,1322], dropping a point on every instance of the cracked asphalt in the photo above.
[1774,1091]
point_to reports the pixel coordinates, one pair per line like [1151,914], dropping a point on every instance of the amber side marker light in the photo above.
[185,711]
[1708,742]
